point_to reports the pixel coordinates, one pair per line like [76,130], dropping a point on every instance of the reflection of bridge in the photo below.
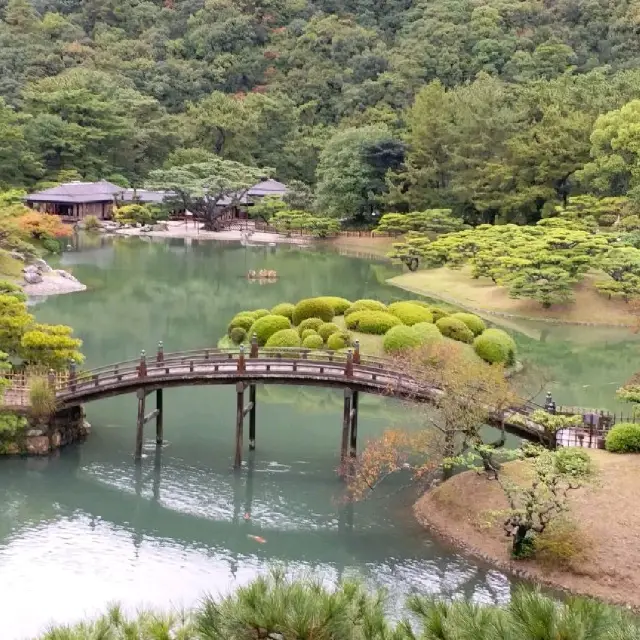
[350,371]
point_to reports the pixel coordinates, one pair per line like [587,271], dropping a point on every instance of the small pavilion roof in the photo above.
[268,187]
[77,193]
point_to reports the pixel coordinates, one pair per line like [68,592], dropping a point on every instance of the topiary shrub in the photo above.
[438,313]
[284,338]
[326,329]
[313,342]
[375,322]
[283,309]
[491,349]
[428,332]
[623,438]
[340,305]
[509,343]
[339,340]
[266,326]
[410,313]
[238,335]
[474,322]
[607,219]
[306,333]
[261,313]
[242,321]
[310,323]
[455,329]
[400,338]
[362,305]
[312,308]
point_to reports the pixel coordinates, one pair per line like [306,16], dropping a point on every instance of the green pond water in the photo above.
[89,527]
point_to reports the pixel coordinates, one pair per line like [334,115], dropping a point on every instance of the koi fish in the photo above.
[258,539]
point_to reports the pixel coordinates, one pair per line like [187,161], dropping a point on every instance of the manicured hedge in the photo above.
[340,305]
[260,313]
[455,329]
[400,338]
[284,338]
[438,313]
[360,305]
[243,321]
[339,340]
[309,323]
[507,340]
[312,308]
[375,322]
[326,329]
[306,333]
[283,309]
[428,332]
[623,438]
[474,322]
[410,313]
[313,342]
[238,335]
[491,349]
[266,326]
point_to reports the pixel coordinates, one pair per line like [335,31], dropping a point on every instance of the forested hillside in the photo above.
[491,108]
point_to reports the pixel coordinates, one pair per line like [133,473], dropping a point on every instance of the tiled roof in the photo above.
[267,188]
[77,193]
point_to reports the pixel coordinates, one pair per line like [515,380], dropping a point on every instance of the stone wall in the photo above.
[27,435]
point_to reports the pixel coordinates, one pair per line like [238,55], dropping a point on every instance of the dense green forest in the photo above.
[495,109]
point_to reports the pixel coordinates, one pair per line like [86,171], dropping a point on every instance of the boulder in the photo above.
[146,228]
[31,268]
[37,446]
[16,255]
[65,274]
[32,277]
[43,267]
[160,226]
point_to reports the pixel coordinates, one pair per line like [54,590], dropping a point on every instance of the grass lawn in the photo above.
[369,344]
[366,244]
[606,512]
[458,288]
[10,268]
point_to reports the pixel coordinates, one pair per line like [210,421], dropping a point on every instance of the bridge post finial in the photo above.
[549,404]
[356,352]
[348,370]
[241,361]
[254,346]
[72,374]
[52,379]
[142,367]
[160,355]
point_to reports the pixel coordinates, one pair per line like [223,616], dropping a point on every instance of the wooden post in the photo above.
[254,346]
[241,363]
[356,352]
[160,354]
[140,426]
[354,425]
[348,369]
[239,424]
[52,380]
[346,422]
[252,417]
[72,374]
[159,425]
[142,367]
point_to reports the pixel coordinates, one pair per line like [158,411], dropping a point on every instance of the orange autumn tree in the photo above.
[466,392]
[43,225]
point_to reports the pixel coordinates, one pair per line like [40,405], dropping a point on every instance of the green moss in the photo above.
[283,309]
[474,322]
[455,329]
[400,338]
[266,326]
[312,308]
[410,313]
[376,322]
[284,338]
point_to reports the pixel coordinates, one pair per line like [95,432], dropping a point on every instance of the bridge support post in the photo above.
[252,417]
[239,424]
[354,425]
[346,423]
[140,425]
[159,416]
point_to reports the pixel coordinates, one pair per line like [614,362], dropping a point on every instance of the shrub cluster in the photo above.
[306,333]
[496,346]
[438,313]
[361,305]
[375,322]
[623,438]
[339,340]
[313,342]
[243,320]
[309,323]
[283,309]
[238,335]
[312,308]
[455,329]
[474,322]
[266,326]
[284,338]
[428,332]
[326,329]
[260,313]
[410,313]
[399,338]
[340,305]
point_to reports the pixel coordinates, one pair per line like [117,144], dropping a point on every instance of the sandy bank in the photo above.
[459,512]
[53,284]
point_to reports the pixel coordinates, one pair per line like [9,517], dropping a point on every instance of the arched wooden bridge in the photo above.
[350,371]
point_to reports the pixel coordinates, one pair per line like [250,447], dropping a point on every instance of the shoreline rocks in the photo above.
[39,279]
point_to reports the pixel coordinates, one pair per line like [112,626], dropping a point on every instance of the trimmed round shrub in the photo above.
[306,333]
[242,321]
[410,313]
[260,313]
[438,313]
[420,303]
[491,349]
[339,340]
[376,322]
[400,338]
[266,326]
[326,329]
[313,342]
[623,438]
[284,338]
[238,335]
[312,308]
[607,219]
[428,332]
[283,309]
[361,305]
[340,305]
[474,322]
[455,329]
[310,323]
[508,341]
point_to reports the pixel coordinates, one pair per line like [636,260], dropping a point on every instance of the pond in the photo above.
[89,527]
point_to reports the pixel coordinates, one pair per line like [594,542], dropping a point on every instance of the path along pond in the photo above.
[89,527]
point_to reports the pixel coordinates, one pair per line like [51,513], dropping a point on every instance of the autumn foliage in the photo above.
[43,225]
